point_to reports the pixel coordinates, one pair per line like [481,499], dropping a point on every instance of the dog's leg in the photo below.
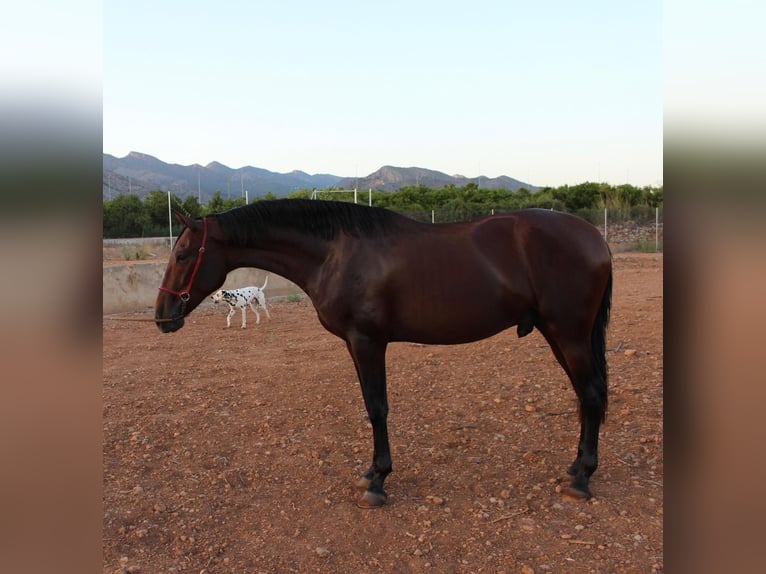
[257,314]
[232,310]
[262,303]
[244,317]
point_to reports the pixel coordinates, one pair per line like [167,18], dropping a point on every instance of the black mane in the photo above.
[322,219]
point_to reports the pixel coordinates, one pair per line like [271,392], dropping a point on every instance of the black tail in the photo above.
[598,345]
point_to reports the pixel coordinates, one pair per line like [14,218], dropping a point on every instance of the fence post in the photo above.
[605,235]
[432,216]
[656,229]
[170,222]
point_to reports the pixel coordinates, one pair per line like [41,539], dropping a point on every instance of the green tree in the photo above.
[124,216]
[156,208]
[216,203]
[191,206]
[653,196]
[582,196]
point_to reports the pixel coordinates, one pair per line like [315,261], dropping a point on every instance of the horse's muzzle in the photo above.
[169,325]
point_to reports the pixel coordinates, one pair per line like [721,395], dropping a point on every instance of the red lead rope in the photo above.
[184,295]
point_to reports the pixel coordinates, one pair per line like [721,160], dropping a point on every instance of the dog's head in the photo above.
[217,297]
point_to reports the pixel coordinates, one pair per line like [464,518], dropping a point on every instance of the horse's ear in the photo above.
[184,219]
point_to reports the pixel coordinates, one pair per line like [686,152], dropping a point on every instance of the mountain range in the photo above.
[139,174]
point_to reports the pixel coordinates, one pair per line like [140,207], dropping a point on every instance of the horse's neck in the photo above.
[294,257]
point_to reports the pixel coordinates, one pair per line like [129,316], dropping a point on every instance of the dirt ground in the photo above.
[230,450]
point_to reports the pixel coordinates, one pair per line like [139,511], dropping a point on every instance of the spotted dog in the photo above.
[241,298]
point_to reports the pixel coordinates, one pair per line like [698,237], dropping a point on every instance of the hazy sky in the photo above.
[548,92]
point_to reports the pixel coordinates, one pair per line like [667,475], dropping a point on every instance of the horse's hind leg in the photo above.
[577,359]
[591,393]
[370,361]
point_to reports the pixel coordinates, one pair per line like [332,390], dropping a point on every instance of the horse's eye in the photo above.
[181,257]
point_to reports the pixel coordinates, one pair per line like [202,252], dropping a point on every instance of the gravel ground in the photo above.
[229,450]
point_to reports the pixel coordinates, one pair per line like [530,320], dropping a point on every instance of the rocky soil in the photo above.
[229,450]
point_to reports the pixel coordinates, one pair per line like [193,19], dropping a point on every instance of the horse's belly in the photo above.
[451,328]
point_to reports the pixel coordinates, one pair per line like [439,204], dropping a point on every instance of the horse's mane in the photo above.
[323,219]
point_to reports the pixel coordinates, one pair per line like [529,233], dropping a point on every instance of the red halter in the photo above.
[184,295]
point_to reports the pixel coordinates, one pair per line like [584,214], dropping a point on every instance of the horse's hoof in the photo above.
[575,494]
[363,483]
[371,500]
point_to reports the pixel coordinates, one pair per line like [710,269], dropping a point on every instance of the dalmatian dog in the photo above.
[241,299]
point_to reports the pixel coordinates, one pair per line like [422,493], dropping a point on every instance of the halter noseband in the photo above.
[184,294]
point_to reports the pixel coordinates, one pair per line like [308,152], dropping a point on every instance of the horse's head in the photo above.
[194,271]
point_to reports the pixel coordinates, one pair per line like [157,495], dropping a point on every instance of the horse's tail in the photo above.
[265,282]
[598,346]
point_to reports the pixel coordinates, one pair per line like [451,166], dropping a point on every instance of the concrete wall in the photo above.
[133,287]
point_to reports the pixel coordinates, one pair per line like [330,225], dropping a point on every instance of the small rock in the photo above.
[529,408]
[527,570]
[630,352]
[322,552]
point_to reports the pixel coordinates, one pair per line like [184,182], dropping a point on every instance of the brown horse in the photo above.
[375,277]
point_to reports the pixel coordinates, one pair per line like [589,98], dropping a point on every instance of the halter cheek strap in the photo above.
[184,294]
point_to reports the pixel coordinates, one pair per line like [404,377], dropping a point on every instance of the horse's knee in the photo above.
[377,413]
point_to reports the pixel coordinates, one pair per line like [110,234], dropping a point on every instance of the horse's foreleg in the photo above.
[370,362]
